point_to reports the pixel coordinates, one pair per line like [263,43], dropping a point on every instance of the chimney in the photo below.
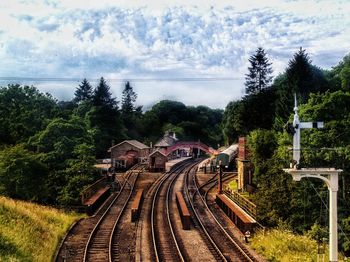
[174,135]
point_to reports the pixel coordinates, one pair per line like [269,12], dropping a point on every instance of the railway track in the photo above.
[215,210]
[73,246]
[221,244]
[100,246]
[167,245]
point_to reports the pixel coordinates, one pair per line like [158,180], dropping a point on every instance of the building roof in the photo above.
[166,141]
[103,166]
[134,143]
[158,151]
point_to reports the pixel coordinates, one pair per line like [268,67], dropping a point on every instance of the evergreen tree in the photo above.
[104,118]
[131,116]
[260,71]
[300,75]
[103,96]
[128,99]
[83,92]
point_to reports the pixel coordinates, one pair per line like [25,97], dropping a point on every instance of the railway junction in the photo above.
[177,214]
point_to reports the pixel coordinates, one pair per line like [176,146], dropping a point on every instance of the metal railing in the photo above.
[92,189]
[242,202]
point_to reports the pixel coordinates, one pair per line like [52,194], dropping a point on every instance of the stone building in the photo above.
[128,153]
[157,161]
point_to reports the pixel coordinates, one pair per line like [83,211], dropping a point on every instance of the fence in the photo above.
[242,202]
[92,189]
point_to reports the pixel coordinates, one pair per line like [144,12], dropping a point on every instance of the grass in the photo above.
[282,245]
[233,185]
[31,232]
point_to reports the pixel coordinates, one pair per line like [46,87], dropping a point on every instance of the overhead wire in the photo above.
[156,79]
[341,229]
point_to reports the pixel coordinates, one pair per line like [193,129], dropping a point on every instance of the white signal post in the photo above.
[297,127]
[328,175]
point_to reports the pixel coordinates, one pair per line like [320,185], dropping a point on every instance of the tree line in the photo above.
[263,115]
[48,148]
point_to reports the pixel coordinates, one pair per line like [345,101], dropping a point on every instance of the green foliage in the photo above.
[262,145]
[260,71]
[274,193]
[231,122]
[23,112]
[128,99]
[345,77]
[344,236]
[104,119]
[30,232]
[302,78]
[190,123]
[341,74]
[252,112]
[131,115]
[83,93]
[22,174]
[299,74]
[106,126]
[66,147]
[318,233]
[282,245]
[102,96]
[59,139]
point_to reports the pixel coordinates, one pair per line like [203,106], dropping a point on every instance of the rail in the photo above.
[179,167]
[104,215]
[110,246]
[201,225]
[233,241]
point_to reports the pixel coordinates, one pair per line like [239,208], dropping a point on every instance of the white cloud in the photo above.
[166,38]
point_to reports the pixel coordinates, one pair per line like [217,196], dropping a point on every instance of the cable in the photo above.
[339,226]
[180,79]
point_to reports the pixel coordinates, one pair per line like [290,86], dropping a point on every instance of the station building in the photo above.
[128,153]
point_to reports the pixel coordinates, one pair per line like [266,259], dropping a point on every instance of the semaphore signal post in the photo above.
[328,175]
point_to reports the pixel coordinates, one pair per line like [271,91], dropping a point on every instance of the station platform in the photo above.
[240,218]
[171,163]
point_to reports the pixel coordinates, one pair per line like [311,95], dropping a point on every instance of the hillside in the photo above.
[30,232]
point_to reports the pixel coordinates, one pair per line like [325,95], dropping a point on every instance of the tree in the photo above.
[104,119]
[128,100]
[252,112]
[66,147]
[132,117]
[340,74]
[58,140]
[299,75]
[260,71]
[83,92]
[22,174]
[23,112]
[103,97]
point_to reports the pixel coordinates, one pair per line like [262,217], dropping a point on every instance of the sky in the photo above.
[193,51]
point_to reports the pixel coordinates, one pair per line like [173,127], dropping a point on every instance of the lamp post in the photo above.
[220,178]
[328,175]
